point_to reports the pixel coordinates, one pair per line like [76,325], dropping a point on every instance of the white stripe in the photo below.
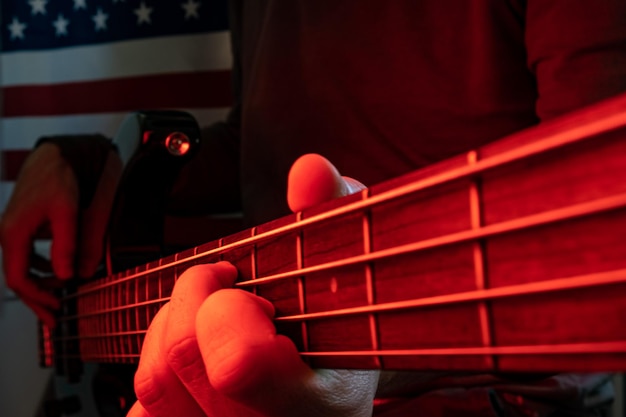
[23,132]
[208,51]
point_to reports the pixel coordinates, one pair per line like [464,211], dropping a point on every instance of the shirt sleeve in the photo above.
[577,51]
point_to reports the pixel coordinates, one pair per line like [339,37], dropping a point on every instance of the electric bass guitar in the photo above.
[511,257]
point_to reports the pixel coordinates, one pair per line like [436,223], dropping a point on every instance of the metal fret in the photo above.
[301,297]
[102,345]
[369,280]
[135,310]
[109,320]
[479,260]
[120,317]
[253,260]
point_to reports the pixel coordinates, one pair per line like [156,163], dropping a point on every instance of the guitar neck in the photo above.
[508,258]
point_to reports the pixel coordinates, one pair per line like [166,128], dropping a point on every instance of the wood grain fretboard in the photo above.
[511,257]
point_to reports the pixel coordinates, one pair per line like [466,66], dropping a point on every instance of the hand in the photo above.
[214,351]
[46,193]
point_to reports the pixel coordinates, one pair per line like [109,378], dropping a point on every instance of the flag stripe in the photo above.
[201,52]
[68,68]
[186,90]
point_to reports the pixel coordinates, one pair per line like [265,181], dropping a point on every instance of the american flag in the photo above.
[78,66]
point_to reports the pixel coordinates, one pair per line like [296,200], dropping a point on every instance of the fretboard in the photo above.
[511,257]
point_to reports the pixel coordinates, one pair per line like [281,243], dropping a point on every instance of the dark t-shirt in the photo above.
[385,87]
[382,88]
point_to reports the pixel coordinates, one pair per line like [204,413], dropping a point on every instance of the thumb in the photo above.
[314,180]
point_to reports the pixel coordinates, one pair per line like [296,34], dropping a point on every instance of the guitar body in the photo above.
[510,258]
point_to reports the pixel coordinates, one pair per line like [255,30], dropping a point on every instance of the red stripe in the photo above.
[189,90]
[12,161]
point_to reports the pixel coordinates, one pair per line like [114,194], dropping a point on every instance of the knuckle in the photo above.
[192,277]
[230,368]
[207,278]
[184,358]
[225,296]
[196,270]
[187,277]
[65,204]
[149,387]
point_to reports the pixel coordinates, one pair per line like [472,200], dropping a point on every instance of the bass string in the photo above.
[568,213]
[550,142]
[599,279]
[593,348]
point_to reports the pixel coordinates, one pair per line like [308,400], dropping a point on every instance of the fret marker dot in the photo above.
[333,285]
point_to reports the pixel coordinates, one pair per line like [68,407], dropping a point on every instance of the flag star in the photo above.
[80,4]
[143,14]
[17,29]
[100,19]
[61,25]
[191,9]
[38,6]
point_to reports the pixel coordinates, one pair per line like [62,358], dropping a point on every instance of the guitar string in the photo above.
[568,213]
[584,281]
[551,142]
[557,348]
[522,223]
[590,280]
[243,243]
[586,349]
[599,279]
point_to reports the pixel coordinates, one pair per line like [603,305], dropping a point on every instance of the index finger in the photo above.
[181,346]
[190,291]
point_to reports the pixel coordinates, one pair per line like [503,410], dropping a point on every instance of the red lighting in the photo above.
[146,136]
